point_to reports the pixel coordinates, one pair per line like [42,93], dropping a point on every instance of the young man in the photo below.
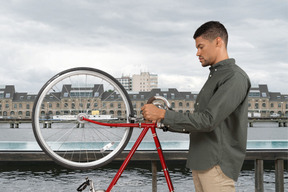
[218,126]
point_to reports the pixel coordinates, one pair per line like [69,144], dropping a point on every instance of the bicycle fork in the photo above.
[131,153]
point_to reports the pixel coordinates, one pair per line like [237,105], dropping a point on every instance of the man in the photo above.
[218,126]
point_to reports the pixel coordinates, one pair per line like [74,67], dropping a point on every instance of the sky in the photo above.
[40,38]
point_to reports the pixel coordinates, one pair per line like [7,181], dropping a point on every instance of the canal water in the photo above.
[47,177]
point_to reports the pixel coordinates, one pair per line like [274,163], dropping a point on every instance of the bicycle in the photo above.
[76,101]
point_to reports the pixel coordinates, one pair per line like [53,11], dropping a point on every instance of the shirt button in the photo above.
[215,69]
[184,130]
[210,75]
[197,103]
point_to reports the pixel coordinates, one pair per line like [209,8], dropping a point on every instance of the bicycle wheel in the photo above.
[56,125]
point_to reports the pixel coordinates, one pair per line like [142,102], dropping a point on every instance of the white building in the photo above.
[144,82]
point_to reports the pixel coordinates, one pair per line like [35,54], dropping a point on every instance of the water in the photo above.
[137,177]
[46,177]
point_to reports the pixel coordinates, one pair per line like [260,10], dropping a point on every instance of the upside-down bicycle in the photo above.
[93,119]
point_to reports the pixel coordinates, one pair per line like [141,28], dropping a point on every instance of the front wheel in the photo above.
[81,92]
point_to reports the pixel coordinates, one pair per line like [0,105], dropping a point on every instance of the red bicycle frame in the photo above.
[146,127]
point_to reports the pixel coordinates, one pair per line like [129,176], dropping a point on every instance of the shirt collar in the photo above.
[222,63]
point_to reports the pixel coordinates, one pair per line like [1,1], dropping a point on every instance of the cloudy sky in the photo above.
[40,38]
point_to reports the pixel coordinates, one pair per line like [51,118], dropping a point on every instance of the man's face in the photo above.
[206,51]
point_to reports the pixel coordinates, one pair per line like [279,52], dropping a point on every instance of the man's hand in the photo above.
[152,113]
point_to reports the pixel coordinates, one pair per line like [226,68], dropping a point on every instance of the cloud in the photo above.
[40,38]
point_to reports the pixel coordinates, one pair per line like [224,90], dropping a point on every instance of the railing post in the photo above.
[154,176]
[259,175]
[279,175]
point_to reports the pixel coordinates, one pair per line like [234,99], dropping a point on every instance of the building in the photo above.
[71,100]
[144,82]
[266,103]
[14,104]
[126,81]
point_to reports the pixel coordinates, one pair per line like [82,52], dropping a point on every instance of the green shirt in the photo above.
[218,126]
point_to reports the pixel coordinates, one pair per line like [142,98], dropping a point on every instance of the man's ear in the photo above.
[219,42]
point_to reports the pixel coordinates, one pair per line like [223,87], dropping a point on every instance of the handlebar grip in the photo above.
[168,105]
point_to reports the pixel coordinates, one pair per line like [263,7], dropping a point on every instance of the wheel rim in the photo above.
[58,151]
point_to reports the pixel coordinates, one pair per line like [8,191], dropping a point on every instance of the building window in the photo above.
[172,96]
[27,106]
[7,95]
[173,105]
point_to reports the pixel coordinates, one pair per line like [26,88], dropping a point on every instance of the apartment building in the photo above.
[144,82]
[126,82]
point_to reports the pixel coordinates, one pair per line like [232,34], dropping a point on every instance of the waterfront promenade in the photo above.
[267,142]
[257,151]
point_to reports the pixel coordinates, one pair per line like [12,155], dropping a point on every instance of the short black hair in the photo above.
[211,30]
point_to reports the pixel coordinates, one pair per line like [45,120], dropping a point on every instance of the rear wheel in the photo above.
[81,92]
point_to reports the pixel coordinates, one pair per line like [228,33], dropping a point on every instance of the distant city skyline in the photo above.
[2,86]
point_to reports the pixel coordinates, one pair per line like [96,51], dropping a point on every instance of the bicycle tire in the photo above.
[86,91]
